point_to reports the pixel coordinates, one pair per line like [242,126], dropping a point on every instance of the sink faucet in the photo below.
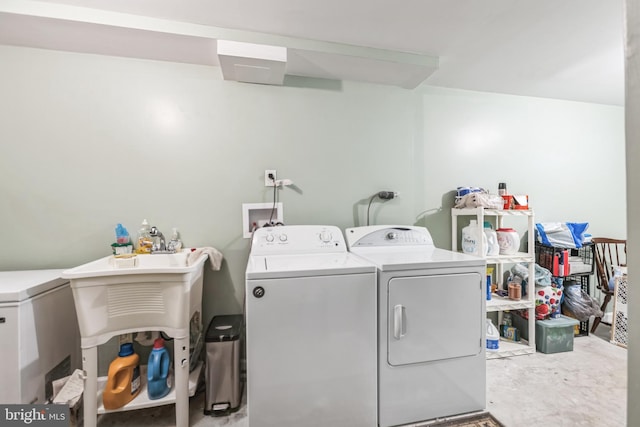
[159,244]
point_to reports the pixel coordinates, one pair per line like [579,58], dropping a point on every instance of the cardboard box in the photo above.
[68,390]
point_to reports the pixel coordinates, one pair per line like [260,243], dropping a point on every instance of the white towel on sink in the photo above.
[214,256]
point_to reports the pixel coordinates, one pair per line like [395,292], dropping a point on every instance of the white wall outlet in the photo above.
[256,215]
[268,180]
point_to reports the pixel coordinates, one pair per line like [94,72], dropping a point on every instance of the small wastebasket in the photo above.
[223,391]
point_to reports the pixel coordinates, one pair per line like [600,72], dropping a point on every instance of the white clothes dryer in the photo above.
[431,311]
[311,330]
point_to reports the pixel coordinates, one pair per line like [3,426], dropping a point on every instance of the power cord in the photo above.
[273,209]
[383,195]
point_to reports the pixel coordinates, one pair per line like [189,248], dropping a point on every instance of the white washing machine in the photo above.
[311,330]
[431,317]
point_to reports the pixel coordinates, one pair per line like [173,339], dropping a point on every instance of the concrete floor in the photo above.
[586,387]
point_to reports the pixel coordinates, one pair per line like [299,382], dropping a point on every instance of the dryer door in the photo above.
[434,317]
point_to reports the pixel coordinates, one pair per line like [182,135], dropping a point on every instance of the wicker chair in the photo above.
[607,254]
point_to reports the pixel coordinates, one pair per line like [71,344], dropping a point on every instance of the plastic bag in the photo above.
[548,299]
[480,199]
[618,271]
[579,304]
[561,234]
[542,275]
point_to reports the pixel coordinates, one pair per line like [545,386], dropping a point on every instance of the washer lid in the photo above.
[306,265]
[18,286]
[416,258]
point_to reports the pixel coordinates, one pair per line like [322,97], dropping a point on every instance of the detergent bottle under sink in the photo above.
[123,379]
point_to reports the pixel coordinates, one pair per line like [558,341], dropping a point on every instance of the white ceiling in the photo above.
[568,49]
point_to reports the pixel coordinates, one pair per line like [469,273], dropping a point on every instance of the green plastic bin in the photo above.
[555,335]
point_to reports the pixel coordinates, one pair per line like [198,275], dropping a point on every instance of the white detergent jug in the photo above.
[493,248]
[472,236]
[493,336]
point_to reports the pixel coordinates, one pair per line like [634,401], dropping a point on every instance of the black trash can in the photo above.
[223,392]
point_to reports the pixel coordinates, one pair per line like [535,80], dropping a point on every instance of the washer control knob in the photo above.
[283,237]
[392,235]
[325,236]
[269,237]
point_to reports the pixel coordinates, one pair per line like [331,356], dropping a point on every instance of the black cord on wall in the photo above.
[383,195]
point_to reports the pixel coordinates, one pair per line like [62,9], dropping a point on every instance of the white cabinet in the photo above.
[497,218]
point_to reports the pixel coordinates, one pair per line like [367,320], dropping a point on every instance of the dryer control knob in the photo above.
[392,235]
[269,237]
[325,236]
[283,237]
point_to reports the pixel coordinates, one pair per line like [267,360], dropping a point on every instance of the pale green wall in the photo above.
[88,141]
[567,156]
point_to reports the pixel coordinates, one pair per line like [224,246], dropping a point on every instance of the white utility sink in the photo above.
[178,263]
[151,292]
[148,292]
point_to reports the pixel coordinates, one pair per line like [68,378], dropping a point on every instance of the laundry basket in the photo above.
[223,391]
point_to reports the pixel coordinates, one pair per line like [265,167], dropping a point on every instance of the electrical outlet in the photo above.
[268,181]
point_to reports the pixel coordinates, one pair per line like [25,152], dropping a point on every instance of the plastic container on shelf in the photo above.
[158,372]
[508,240]
[123,379]
[472,237]
[520,201]
[493,336]
[502,188]
[507,201]
[493,248]
[514,288]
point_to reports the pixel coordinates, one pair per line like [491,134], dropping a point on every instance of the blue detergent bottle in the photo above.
[158,377]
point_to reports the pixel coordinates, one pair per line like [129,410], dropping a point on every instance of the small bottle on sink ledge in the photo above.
[175,244]
[144,242]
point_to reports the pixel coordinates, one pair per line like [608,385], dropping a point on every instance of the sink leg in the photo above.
[181,357]
[90,399]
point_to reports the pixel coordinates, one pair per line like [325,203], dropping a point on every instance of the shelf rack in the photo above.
[581,273]
[497,303]
[142,400]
